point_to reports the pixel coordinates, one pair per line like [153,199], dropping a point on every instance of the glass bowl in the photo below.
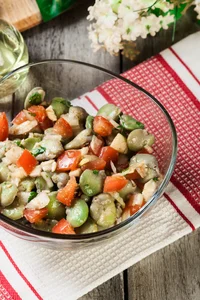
[72,79]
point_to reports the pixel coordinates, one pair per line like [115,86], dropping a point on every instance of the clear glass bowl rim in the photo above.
[133,218]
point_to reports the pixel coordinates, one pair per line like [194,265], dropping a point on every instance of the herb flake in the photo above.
[32,196]
[38,151]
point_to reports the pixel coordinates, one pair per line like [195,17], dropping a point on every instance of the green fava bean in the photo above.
[78,213]
[4,172]
[89,122]
[60,106]
[103,210]
[34,97]
[90,183]
[85,198]
[27,185]
[45,225]
[139,138]
[129,123]
[29,143]
[56,210]
[88,227]
[109,110]
[8,193]
[41,184]
[127,190]
[13,211]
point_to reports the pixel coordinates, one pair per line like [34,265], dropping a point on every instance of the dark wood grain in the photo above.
[113,289]
[172,273]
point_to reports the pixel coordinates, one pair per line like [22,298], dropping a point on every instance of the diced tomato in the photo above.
[132,176]
[3,127]
[63,227]
[20,118]
[69,160]
[47,123]
[63,128]
[133,207]
[96,144]
[39,112]
[67,194]
[102,126]
[27,161]
[139,184]
[35,215]
[114,183]
[97,164]
[108,154]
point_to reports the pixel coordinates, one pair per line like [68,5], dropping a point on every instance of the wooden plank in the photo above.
[171,273]
[110,290]
[22,15]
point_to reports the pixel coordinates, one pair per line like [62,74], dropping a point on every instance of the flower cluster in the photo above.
[117,21]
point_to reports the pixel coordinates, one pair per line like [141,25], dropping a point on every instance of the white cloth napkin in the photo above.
[31,272]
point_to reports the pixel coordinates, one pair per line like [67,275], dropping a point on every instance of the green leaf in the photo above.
[155,179]
[38,151]
[35,99]
[96,172]
[32,196]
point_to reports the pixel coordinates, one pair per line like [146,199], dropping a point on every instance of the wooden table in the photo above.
[172,273]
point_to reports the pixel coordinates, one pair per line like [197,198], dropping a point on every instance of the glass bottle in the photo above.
[13,50]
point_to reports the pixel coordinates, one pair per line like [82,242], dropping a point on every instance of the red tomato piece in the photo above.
[66,195]
[114,183]
[20,118]
[35,215]
[4,129]
[97,164]
[27,161]
[63,128]
[39,112]
[133,208]
[63,227]
[108,153]
[68,161]
[47,123]
[102,126]
[96,144]
[132,176]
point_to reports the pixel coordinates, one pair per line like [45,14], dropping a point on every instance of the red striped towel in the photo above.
[30,272]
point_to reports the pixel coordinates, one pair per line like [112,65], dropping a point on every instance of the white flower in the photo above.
[197,8]
[116,21]
[166,20]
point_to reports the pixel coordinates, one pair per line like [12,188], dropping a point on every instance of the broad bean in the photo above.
[110,111]
[89,122]
[129,123]
[34,97]
[103,210]
[139,138]
[60,106]
[14,211]
[8,193]
[88,227]
[78,213]
[127,190]
[56,210]
[90,183]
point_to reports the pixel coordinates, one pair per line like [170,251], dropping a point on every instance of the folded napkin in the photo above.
[31,272]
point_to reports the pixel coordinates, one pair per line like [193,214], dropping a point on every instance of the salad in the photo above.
[65,171]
